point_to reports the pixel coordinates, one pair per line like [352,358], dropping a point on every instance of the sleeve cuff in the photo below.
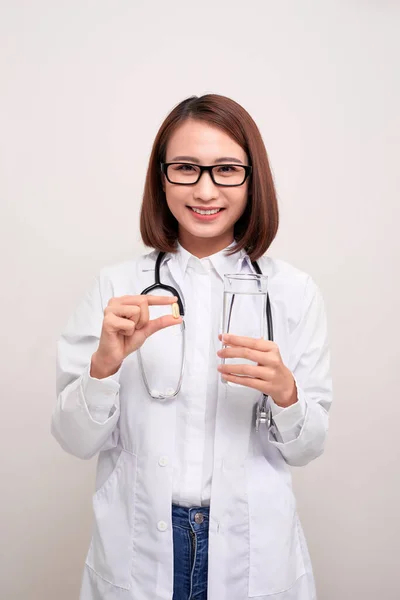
[291,417]
[101,395]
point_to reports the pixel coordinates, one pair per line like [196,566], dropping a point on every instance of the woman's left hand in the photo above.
[270,376]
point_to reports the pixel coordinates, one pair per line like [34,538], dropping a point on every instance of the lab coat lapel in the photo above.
[234,410]
[176,272]
[229,533]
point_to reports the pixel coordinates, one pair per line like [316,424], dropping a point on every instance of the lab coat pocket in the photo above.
[110,552]
[276,559]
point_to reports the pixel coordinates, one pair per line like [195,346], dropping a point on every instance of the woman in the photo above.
[189,493]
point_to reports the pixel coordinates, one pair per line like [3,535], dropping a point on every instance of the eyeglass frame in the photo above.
[247,168]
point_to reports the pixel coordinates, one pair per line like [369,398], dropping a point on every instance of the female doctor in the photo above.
[193,501]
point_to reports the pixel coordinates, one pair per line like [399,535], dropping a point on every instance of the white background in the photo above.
[84,87]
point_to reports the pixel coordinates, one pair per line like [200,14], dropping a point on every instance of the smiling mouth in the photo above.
[210,211]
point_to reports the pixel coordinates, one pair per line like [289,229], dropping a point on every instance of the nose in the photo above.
[205,189]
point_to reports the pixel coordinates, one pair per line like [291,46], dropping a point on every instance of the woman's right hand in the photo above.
[126,326]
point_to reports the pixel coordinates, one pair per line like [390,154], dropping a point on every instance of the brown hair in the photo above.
[257,227]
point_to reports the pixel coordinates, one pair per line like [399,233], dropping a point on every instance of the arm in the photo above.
[90,353]
[85,418]
[299,431]
[300,393]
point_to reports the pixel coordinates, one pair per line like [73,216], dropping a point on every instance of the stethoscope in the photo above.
[262,412]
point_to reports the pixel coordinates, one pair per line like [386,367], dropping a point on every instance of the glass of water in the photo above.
[244,312]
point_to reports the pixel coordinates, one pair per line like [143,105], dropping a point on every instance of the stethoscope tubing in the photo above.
[261,408]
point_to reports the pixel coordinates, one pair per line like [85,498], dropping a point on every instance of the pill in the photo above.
[175,310]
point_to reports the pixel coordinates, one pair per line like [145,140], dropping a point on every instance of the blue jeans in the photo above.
[190,536]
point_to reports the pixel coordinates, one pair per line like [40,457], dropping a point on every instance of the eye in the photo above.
[229,169]
[185,168]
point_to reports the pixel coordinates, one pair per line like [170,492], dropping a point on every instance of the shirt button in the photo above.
[163,461]
[199,518]
[162,526]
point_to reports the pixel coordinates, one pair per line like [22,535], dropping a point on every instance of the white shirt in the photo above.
[203,284]
[203,293]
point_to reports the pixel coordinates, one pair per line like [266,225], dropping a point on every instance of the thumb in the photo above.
[160,323]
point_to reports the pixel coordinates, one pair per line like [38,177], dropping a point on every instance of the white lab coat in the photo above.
[256,544]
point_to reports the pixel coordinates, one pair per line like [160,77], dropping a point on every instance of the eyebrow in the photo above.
[218,160]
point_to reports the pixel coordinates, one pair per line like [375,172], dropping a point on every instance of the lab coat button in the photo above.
[163,461]
[199,518]
[162,526]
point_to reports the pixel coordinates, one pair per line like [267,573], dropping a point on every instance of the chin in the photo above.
[201,234]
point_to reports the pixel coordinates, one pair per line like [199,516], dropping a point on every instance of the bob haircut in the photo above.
[257,227]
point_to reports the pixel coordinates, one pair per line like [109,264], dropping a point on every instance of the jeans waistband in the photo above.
[195,518]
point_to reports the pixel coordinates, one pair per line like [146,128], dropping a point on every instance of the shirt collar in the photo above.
[221,261]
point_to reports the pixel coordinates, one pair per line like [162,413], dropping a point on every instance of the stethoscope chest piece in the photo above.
[262,414]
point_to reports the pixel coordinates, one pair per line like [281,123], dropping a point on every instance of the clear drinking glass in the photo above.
[244,311]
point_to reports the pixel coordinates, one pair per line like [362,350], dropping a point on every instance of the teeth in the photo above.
[206,212]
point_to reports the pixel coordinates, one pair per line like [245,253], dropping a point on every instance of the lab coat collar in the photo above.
[223,264]
[221,261]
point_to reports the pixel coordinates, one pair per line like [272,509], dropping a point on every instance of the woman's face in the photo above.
[200,143]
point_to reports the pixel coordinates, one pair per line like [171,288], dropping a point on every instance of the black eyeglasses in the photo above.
[229,175]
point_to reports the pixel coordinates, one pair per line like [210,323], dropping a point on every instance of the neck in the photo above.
[202,247]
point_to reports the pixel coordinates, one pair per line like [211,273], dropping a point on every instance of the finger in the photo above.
[117,324]
[255,384]
[161,323]
[151,300]
[240,369]
[123,310]
[247,353]
[144,312]
[161,300]
[248,342]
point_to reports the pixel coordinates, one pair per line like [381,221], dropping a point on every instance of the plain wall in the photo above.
[84,88]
